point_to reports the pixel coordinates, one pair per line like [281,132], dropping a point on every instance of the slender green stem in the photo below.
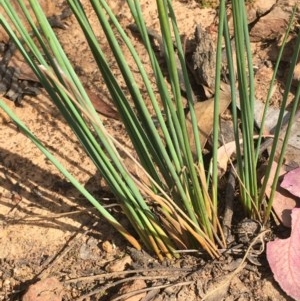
[216,105]
[278,132]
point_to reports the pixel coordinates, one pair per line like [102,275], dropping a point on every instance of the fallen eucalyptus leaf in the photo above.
[284,258]
[224,154]
[204,111]
[283,201]
[291,182]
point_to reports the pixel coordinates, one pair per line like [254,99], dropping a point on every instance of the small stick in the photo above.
[124,273]
[228,212]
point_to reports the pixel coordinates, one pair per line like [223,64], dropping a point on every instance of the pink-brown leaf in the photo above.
[284,258]
[283,201]
[291,182]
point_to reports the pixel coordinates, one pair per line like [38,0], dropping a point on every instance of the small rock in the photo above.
[89,249]
[262,7]
[119,265]
[297,73]
[49,289]
[258,9]
[107,247]
[85,252]
[271,26]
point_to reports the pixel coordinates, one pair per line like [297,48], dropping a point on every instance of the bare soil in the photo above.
[47,229]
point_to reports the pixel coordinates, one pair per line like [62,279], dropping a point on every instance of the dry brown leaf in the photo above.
[26,72]
[291,155]
[103,107]
[205,113]
[137,171]
[283,202]
[224,154]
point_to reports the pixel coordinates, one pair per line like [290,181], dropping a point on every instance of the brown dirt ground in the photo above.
[47,229]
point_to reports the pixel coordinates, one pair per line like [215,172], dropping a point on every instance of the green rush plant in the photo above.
[176,207]
[252,196]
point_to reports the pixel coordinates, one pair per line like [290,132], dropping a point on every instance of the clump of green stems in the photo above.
[181,213]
